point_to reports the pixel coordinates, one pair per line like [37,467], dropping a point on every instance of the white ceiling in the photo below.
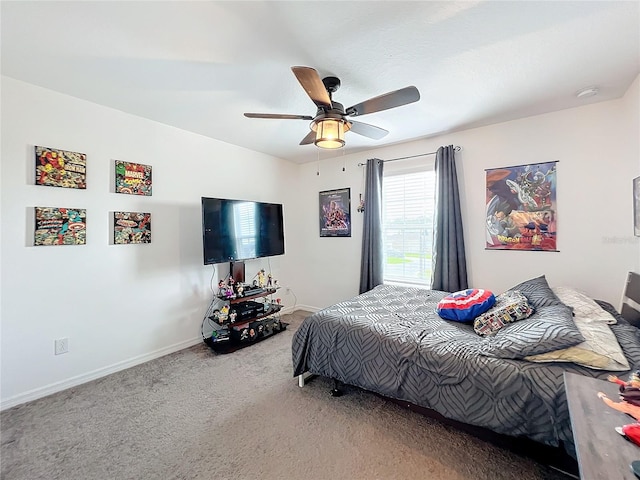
[200,65]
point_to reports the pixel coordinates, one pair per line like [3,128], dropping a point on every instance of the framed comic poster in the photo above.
[636,206]
[133,178]
[60,168]
[131,227]
[335,213]
[60,226]
[521,210]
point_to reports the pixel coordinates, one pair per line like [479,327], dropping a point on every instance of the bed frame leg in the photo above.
[336,392]
[301,380]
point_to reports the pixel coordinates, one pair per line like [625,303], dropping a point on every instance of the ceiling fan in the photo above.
[330,122]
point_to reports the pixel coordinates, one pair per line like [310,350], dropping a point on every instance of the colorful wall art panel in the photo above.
[60,226]
[133,178]
[131,227]
[59,168]
[521,210]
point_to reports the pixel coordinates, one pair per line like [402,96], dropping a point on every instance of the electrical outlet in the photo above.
[61,346]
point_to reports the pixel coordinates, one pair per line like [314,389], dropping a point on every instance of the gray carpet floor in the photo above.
[196,414]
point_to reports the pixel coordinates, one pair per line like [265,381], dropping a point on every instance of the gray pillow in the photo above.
[538,292]
[550,328]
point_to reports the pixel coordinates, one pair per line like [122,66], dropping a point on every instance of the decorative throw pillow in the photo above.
[510,307]
[465,305]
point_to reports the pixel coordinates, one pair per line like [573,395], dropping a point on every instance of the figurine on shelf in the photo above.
[239,289]
[222,288]
[269,281]
[221,315]
[261,280]
[232,316]
[224,314]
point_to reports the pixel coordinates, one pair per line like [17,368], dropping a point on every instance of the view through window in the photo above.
[407,222]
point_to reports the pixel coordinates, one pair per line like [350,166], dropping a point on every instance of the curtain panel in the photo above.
[371,264]
[449,260]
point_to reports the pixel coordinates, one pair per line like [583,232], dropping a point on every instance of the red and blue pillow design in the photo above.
[465,305]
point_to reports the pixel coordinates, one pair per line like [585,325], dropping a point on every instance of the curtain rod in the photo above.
[457,149]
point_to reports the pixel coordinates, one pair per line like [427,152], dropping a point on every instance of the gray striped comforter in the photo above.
[391,341]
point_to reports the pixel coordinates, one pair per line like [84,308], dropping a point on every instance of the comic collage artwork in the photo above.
[59,168]
[60,226]
[133,178]
[131,227]
[68,226]
[521,209]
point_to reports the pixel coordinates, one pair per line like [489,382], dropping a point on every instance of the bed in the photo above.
[391,341]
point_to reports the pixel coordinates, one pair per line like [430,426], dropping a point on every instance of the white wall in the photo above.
[598,153]
[118,304]
[121,305]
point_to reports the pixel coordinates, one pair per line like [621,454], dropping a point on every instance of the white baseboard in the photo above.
[307,308]
[94,375]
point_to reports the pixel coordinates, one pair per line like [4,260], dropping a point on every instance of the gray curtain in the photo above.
[371,264]
[449,260]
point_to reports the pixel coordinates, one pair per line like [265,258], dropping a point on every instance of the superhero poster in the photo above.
[131,227]
[335,213]
[521,210]
[59,168]
[133,178]
[60,226]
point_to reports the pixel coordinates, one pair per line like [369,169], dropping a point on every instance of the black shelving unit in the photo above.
[253,321]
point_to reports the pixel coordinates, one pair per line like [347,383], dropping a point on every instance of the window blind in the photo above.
[408,201]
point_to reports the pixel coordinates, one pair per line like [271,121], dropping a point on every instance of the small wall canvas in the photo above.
[131,227]
[60,168]
[60,226]
[133,178]
[335,213]
[521,210]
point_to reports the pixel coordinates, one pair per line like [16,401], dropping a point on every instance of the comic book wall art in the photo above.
[60,168]
[521,210]
[131,227]
[335,213]
[60,226]
[133,178]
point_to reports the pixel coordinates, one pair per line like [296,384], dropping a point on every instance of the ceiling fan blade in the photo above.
[312,84]
[389,100]
[310,138]
[278,116]
[367,130]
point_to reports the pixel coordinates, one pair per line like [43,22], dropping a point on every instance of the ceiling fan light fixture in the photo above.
[330,133]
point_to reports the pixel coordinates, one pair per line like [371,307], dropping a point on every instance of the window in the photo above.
[407,223]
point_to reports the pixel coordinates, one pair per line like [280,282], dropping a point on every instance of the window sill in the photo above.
[407,284]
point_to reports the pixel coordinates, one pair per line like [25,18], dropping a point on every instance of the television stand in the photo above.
[234,323]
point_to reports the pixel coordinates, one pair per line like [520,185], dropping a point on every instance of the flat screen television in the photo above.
[240,229]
